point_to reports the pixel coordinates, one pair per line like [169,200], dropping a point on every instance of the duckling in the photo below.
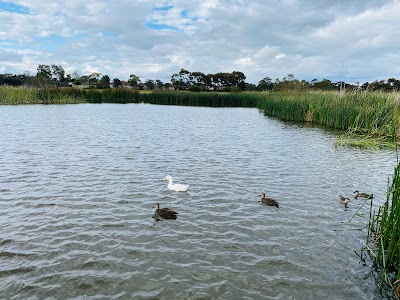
[345,201]
[363,195]
[163,213]
[269,201]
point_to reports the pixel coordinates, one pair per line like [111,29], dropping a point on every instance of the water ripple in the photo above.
[78,184]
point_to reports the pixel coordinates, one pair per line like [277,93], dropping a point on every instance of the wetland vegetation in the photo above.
[383,242]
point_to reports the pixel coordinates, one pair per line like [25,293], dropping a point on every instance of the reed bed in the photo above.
[24,95]
[200,99]
[377,114]
[383,242]
[12,95]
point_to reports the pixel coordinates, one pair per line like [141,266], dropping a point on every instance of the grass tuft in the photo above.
[383,242]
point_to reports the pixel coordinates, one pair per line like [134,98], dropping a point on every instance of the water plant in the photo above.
[25,95]
[200,99]
[383,242]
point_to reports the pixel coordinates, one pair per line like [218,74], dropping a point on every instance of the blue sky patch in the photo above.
[156,26]
[12,44]
[52,42]
[184,14]
[14,8]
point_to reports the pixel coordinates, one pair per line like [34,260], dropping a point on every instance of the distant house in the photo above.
[78,86]
[125,84]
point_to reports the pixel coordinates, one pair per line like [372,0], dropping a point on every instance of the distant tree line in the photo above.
[55,76]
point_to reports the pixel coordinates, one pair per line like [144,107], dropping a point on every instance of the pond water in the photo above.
[78,184]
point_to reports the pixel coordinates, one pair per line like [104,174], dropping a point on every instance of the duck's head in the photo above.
[262,195]
[355,192]
[168,177]
[157,206]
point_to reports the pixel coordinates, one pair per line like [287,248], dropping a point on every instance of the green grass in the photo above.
[384,235]
[200,99]
[21,95]
[368,119]
[364,141]
[374,113]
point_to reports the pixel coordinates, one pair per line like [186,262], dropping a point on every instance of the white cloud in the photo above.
[11,56]
[308,39]
[280,56]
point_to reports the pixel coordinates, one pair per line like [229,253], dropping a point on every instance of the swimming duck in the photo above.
[175,187]
[269,201]
[344,201]
[164,213]
[363,195]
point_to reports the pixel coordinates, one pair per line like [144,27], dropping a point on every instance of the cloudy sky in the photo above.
[355,39]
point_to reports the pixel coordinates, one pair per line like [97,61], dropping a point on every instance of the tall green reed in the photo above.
[23,95]
[384,235]
[199,99]
[365,114]
[13,95]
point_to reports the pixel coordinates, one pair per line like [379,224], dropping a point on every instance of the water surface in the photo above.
[78,183]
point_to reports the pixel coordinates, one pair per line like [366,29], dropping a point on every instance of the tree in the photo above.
[314,81]
[289,77]
[325,85]
[182,80]
[238,79]
[159,84]
[105,81]
[221,80]
[200,79]
[58,74]
[394,83]
[195,88]
[134,80]
[116,82]
[250,87]
[44,71]
[43,76]
[288,83]
[149,84]
[9,79]
[93,79]
[304,85]
[265,84]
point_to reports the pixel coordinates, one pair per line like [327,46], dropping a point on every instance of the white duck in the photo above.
[176,187]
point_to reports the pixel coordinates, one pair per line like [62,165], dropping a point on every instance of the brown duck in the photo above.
[344,201]
[164,213]
[269,201]
[363,195]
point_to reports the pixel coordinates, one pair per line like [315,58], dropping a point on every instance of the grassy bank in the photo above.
[365,116]
[16,96]
[201,99]
[383,242]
